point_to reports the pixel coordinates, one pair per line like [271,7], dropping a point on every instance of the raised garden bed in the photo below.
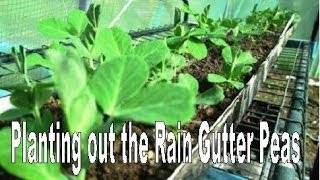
[265,50]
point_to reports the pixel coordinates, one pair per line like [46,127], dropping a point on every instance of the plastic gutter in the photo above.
[235,111]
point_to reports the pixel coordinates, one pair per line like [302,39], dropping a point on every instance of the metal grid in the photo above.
[19,18]
[273,104]
[137,14]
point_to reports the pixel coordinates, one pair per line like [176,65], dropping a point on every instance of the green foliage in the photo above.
[28,96]
[212,96]
[268,19]
[25,170]
[236,64]
[153,52]
[167,69]
[191,40]
[186,40]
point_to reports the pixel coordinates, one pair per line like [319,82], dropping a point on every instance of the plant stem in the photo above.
[36,113]
[82,174]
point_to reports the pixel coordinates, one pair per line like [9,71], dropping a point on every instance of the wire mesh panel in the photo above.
[137,14]
[19,19]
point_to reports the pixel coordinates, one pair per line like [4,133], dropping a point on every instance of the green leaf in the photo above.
[236,84]
[35,59]
[69,72]
[227,54]
[167,74]
[153,52]
[186,9]
[177,16]
[42,95]
[70,78]
[218,32]
[176,60]
[218,42]
[25,170]
[246,28]
[160,102]
[181,30]
[117,80]
[43,126]
[54,28]
[246,69]
[211,97]
[111,43]
[22,99]
[175,42]
[80,47]
[206,10]
[246,58]
[215,78]
[93,14]
[78,21]
[13,114]
[188,81]
[197,48]
[197,32]
[89,117]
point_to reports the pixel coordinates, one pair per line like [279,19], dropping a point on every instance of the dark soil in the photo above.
[260,49]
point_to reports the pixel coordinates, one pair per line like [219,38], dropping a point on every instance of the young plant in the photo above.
[238,29]
[235,65]
[268,19]
[188,40]
[191,39]
[27,96]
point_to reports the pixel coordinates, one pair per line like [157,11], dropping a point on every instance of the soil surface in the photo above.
[260,48]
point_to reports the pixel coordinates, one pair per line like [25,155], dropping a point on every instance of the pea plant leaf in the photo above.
[216,78]
[188,81]
[227,54]
[153,52]
[13,114]
[54,28]
[197,48]
[160,102]
[212,96]
[117,80]
[22,99]
[35,59]
[41,96]
[68,72]
[118,86]
[25,170]
[88,119]
[219,42]
[236,84]
[111,42]
[77,21]
[245,58]
[70,77]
